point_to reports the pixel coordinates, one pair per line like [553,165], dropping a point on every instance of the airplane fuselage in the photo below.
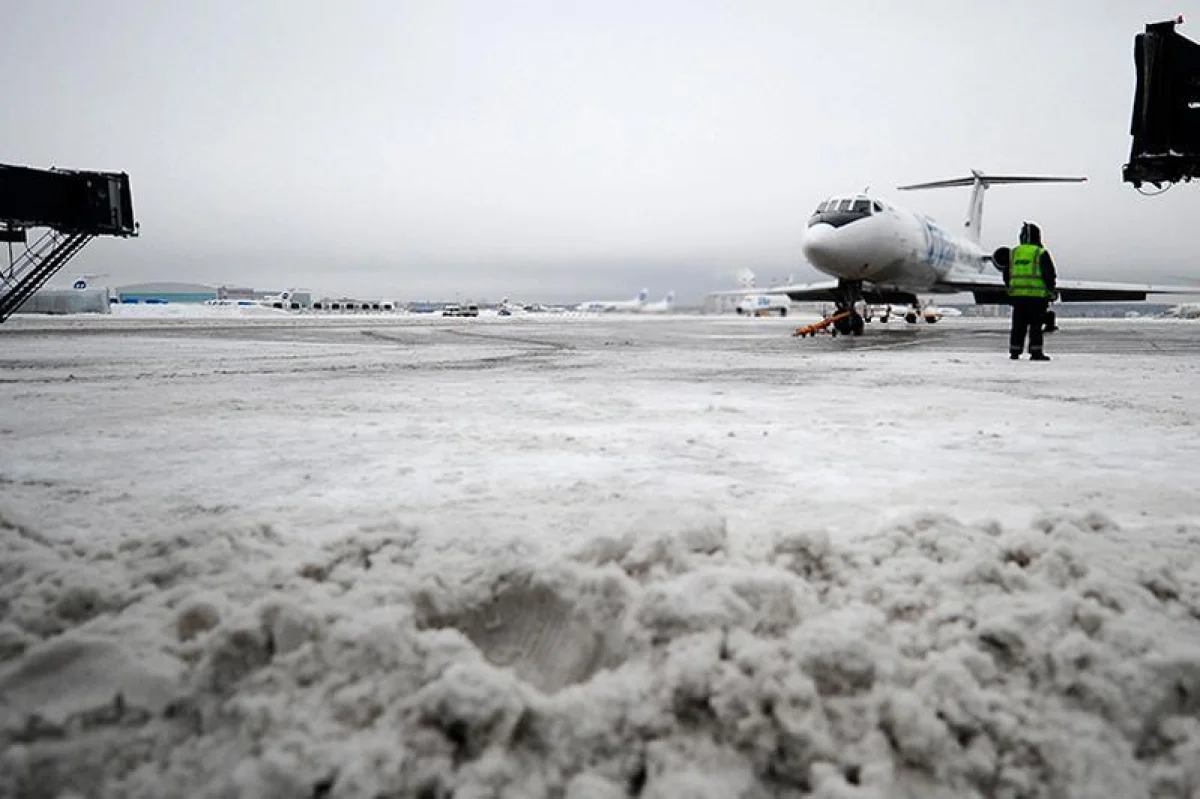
[871,239]
[616,305]
[636,304]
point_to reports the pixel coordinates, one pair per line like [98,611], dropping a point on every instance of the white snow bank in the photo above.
[930,659]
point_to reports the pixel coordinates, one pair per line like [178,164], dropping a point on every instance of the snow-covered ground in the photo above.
[278,556]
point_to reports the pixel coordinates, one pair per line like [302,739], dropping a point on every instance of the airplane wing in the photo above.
[826,291]
[802,292]
[989,289]
[1097,291]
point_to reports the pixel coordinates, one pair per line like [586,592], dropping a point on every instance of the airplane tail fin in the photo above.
[980,183]
[670,298]
[643,295]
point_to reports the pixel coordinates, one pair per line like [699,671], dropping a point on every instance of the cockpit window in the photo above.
[877,206]
[840,211]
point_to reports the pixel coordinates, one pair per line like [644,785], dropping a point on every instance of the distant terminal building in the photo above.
[156,293]
[237,293]
[83,298]
[344,304]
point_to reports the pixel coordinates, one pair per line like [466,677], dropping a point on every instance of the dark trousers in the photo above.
[1027,316]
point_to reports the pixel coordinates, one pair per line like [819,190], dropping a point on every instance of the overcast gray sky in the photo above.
[561,150]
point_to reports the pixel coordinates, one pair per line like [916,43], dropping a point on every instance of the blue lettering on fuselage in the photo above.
[940,251]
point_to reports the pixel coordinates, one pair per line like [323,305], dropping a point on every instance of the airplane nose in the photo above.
[818,245]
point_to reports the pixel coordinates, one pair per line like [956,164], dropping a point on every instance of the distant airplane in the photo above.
[752,302]
[636,304]
[883,254]
[665,305]
[764,305]
[291,299]
[82,282]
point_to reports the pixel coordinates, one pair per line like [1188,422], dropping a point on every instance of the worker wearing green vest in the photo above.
[1030,278]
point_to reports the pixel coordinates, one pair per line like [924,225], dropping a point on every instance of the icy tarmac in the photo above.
[280,556]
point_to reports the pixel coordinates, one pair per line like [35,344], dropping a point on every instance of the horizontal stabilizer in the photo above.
[979,183]
[990,180]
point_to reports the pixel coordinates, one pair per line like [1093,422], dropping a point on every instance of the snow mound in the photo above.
[930,658]
[72,676]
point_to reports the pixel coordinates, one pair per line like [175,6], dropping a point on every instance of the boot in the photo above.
[1039,356]
[1014,356]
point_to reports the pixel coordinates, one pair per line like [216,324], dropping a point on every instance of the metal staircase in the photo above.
[75,206]
[40,261]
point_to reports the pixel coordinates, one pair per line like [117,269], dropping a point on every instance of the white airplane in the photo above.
[82,282]
[636,304]
[665,305]
[750,302]
[289,300]
[883,254]
[1188,310]
[763,305]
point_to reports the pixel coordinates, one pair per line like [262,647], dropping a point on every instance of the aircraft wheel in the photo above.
[782,312]
[910,318]
[856,325]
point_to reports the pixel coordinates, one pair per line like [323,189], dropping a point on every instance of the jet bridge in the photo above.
[74,206]
[1166,108]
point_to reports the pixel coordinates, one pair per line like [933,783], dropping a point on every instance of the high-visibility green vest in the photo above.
[1025,272]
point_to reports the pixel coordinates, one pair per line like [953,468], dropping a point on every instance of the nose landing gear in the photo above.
[849,323]
[831,325]
[848,320]
[850,306]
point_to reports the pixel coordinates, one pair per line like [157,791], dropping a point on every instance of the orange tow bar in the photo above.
[822,326]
